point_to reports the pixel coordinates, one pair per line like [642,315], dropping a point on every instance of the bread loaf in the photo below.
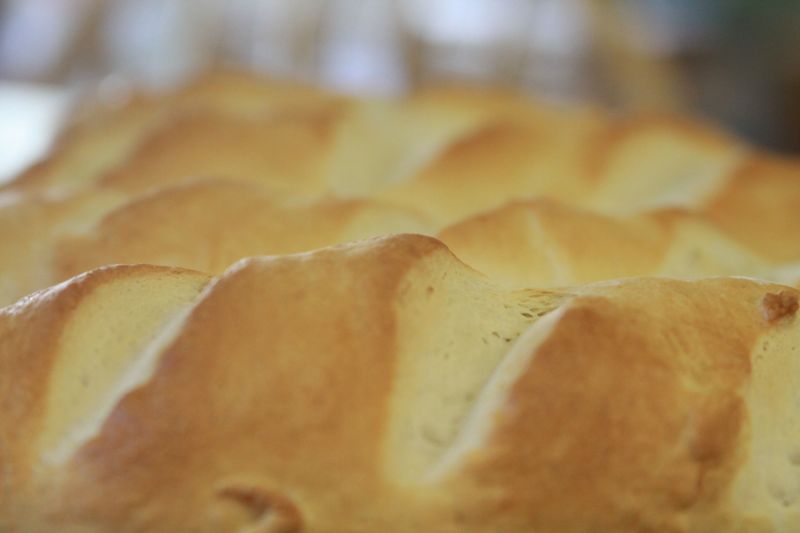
[545,243]
[209,224]
[183,349]
[449,154]
[760,206]
[430,163]
[385,386]
[30,228]
[202,224]
[106,135]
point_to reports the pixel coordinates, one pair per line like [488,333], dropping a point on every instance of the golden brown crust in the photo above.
[509,152]
[385,385]
[283,151]
[277,445]
[622,409]
[97,142]
[643,162]
[447,151]
[546,243]
[622,421]
[32,333]
[760,206]
[30,226]
[625,130]
[209,225]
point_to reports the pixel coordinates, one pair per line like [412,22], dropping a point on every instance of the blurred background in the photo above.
[736,62]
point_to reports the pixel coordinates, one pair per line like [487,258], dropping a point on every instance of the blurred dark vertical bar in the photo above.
[743,75]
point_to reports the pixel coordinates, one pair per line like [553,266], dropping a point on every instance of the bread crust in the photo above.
[383,384]
[272,403]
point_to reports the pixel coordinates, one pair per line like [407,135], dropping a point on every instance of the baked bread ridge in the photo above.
[760,206]
[208,224]
[59,365]
[108,130]
[283,150]
[31,227]
[204,224]
[430,399]
[546,243]
[490,147]
[422,128]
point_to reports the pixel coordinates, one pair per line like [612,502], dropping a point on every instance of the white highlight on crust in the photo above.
[562,270]
[479,423]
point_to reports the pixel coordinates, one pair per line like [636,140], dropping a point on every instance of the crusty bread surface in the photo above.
[254,306]
[387,386]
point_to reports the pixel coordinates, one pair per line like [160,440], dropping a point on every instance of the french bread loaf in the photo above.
[182,349]
[207,225]
[386,386]
[110,130]
[449,154]
[545,243]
